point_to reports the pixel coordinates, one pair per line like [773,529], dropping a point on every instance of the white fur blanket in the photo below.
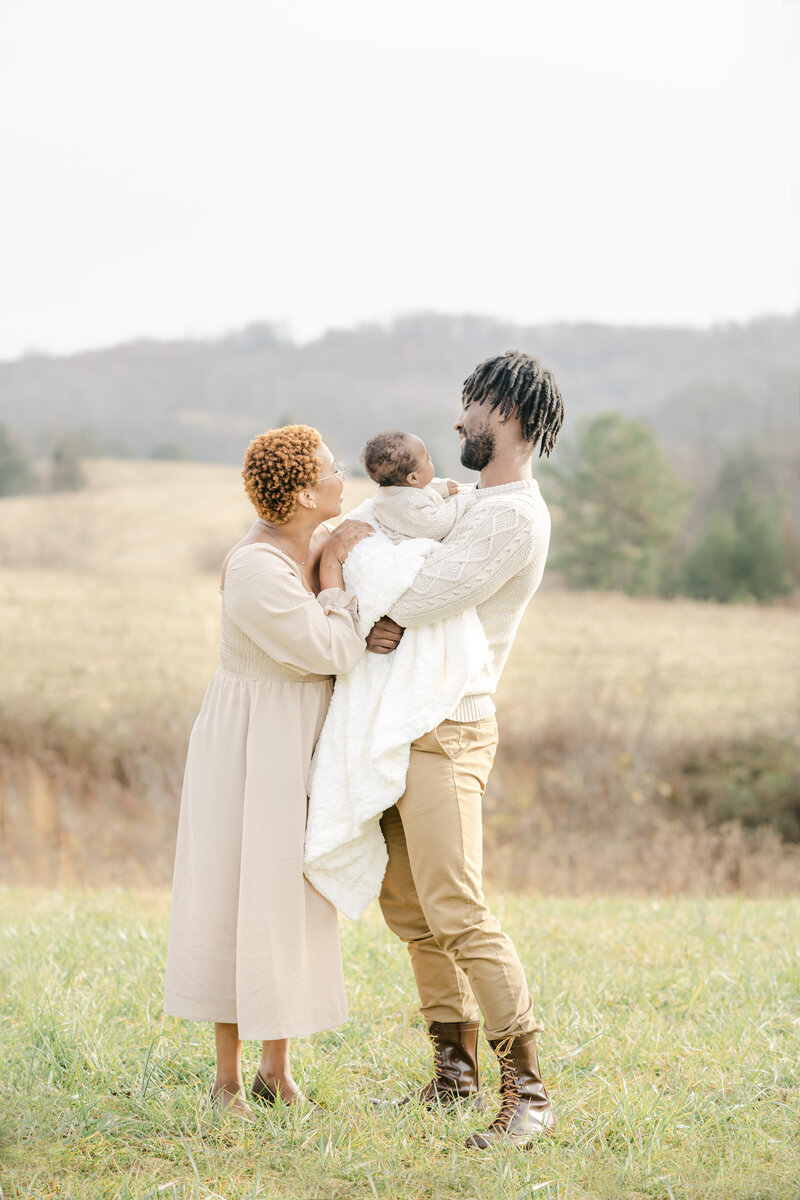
[360,763]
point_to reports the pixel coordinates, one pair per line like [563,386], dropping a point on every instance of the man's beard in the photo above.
[477,451]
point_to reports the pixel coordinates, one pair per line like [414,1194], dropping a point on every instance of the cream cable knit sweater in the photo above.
[493,561]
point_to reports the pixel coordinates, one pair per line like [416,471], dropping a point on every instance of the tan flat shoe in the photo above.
[265,1093]
[232,1107]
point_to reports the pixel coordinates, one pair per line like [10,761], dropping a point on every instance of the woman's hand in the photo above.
[346,535]
[384,637]
[336,549]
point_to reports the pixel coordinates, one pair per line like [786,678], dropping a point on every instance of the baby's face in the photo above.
[423,471]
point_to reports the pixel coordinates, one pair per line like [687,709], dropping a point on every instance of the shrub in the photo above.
[16,473]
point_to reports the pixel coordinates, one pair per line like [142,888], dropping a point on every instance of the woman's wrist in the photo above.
[330,570]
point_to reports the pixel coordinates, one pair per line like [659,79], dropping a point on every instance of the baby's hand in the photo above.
[452,487]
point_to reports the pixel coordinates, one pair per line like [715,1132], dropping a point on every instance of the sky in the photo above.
[173,168]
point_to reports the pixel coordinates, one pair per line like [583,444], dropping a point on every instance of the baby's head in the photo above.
[397,459]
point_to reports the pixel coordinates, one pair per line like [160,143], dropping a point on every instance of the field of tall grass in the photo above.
[646,745]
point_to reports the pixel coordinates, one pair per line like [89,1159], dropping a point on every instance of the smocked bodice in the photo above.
[241,656]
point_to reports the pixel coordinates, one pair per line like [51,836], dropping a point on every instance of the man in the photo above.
[432,893]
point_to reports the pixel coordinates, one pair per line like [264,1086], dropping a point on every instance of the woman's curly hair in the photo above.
[277,465]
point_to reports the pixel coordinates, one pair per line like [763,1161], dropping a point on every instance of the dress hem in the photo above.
[272,1035]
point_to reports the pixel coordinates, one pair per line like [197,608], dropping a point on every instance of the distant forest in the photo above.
[702,391]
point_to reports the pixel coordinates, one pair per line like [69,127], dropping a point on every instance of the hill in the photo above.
[707,387]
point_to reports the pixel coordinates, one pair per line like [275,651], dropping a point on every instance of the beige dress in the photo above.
[250,939]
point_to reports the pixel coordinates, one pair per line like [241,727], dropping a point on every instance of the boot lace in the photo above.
[438,1058]
[509,1087]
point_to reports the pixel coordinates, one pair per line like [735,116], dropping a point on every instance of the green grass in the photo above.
[671,1052]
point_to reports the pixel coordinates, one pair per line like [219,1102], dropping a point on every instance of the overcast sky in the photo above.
[175,167]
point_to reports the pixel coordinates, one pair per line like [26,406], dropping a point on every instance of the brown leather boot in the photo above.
[525,1111]
[455,1065]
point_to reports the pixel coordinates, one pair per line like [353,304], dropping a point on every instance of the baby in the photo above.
[388,700]
[410,501]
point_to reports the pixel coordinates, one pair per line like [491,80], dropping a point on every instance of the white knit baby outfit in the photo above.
[404,512]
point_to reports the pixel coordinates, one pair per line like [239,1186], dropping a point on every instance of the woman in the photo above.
[252,946]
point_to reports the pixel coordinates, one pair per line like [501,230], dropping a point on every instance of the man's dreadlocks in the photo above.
[520,386]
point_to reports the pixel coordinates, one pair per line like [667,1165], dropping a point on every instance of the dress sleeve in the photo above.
[267,600]
[490,544]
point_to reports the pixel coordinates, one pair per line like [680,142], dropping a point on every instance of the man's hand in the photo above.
[384,637]
[452,487]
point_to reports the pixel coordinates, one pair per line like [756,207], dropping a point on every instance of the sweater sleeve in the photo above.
[491,544]
[423,514]
[265,597]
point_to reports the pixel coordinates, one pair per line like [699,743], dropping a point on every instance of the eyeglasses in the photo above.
[338,469]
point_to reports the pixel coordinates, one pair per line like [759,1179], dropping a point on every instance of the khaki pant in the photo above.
[432,895]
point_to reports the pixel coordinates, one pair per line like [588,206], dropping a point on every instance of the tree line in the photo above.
[625,520]
[703,388]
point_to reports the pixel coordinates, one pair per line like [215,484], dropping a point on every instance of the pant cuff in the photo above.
[448,1016]
[536,1027]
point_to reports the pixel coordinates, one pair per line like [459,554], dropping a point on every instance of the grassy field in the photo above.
[109,603]
[670,1051]
[108,635]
